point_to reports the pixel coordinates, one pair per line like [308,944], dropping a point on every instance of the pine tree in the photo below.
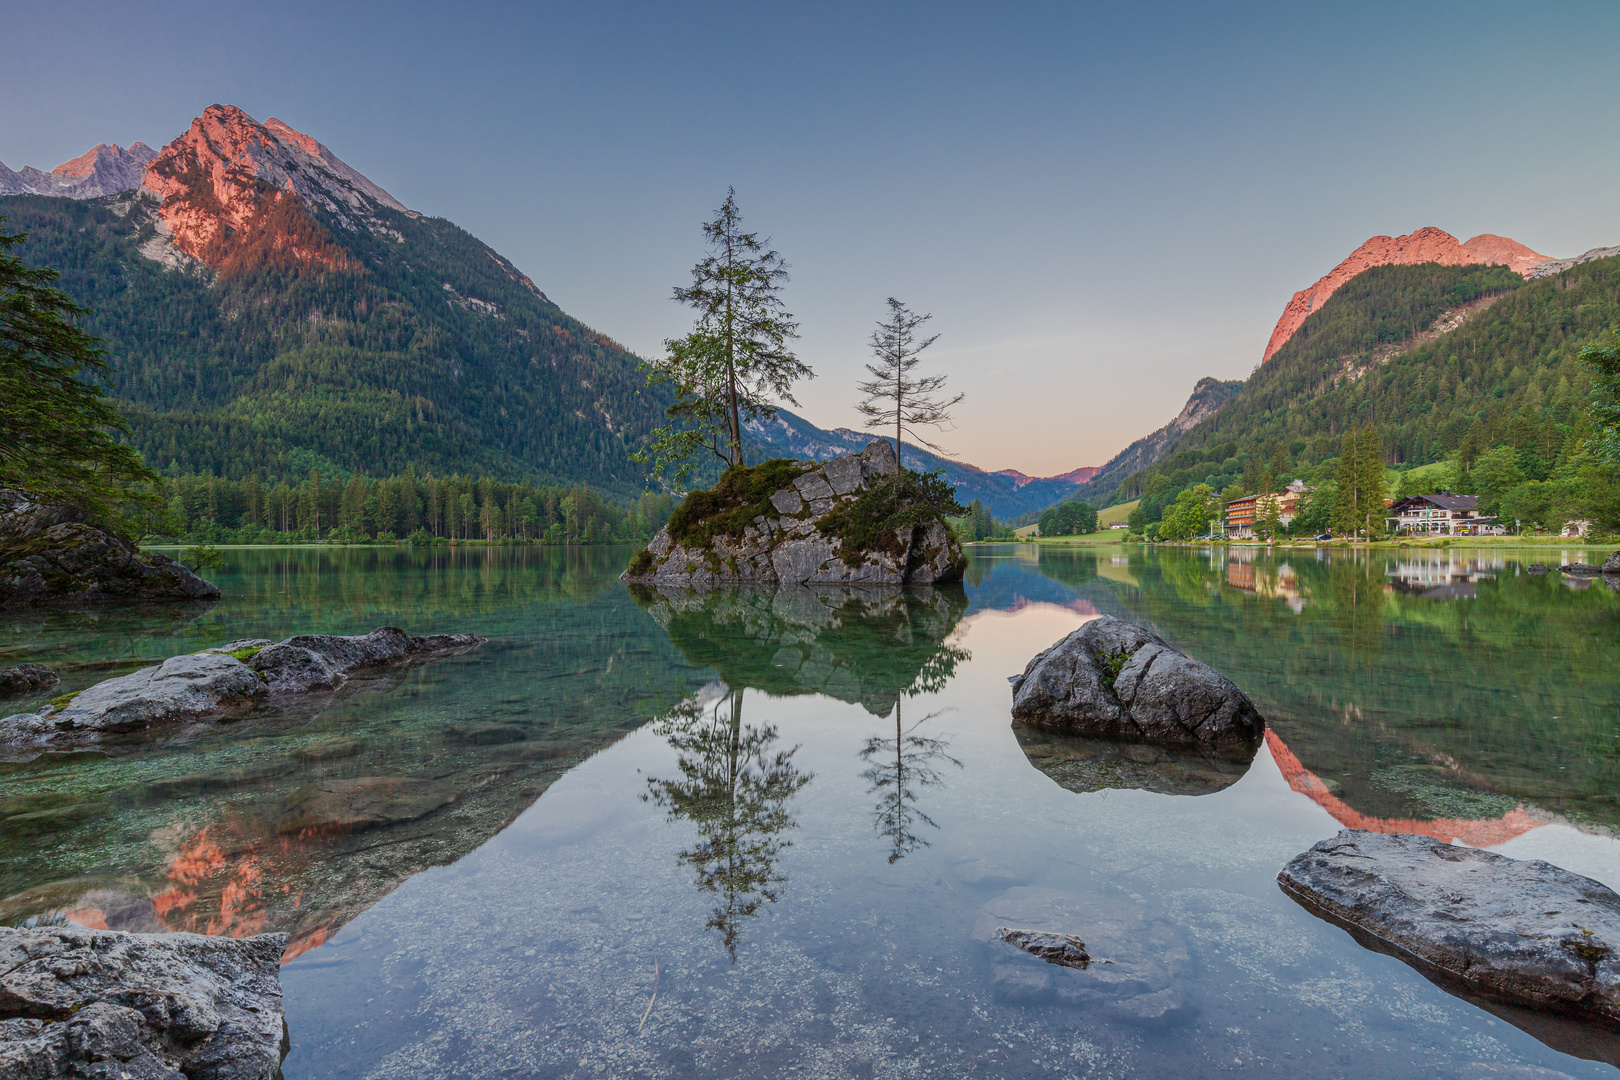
[1370,481]
[735,364]
[1346,502]
[893,397]
[57,429]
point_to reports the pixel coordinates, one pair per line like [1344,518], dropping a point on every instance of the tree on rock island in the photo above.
[57,441]
[894,399]
[735,365]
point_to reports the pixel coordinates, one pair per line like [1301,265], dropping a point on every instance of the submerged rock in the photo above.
[797,534]
[1519,931]
[363,803]
[1091,951]
[26,679]
[1537,568]
[1065,950]
[100,1003]
[211,683]
[1115,680]
[75,563]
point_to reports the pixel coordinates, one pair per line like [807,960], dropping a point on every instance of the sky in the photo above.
[1098,203]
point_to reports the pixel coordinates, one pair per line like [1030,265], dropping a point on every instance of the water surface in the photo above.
[744,833]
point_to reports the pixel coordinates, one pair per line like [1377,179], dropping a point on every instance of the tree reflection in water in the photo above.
[901,768]
[734,787]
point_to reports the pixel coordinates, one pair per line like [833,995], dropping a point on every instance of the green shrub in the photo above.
[732,504]
[874,519]
[641,563]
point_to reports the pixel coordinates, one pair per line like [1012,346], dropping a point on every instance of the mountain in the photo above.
[1438,357]
[1006,494]
[269,310]
[1209,397]
[105,169]
[1427,245]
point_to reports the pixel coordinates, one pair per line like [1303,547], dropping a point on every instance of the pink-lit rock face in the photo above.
[105,169]
[1425,245]
[235,191]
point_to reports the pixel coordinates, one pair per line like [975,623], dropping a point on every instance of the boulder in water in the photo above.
[1112,679]
[1515,930]
[101,1003]
[208,684]
[26,679]
[76,563]
[805,523]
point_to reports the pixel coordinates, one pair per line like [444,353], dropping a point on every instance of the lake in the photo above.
[773,833]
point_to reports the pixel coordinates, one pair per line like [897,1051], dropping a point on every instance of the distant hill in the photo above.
[269,310]
[1209,397]
[1006,494]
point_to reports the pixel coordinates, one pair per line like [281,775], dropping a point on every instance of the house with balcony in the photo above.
[1445,513]
[1242,512]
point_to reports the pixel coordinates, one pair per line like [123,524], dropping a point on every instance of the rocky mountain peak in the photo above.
[1425,245]
[233,189]
[104,169]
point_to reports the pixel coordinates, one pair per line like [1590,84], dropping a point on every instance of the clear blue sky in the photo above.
[1099,203]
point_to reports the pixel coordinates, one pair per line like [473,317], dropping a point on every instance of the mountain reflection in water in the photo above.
[1403,707]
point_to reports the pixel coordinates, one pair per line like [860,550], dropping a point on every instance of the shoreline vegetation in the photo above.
[1113,537]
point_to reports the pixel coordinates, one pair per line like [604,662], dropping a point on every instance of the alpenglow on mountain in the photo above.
[268,310]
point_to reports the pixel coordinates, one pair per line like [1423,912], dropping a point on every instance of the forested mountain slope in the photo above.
[269,311]
[1436,357]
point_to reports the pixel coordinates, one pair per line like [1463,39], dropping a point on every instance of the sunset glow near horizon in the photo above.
[1098,206]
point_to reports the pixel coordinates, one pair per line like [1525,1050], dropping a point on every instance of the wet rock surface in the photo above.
[26,679]
[1115,680]
[217,682]
[1081,764]
[1134,963]
[1537,568]
[1065,950]
[97,1003]
[76,563]
[1580,569]
[1611,565]
[1519,931]
[785,546]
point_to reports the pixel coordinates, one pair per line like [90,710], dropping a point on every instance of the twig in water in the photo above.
[658,973]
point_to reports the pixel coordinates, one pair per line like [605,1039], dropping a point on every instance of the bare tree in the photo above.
[894,398]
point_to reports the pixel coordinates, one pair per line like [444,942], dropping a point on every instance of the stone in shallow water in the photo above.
[1521,931]
[25,679]
[99,1003]
[489,734]
[1115,680]
[363,803]
[1136,965]
[1065,950]
[338,746]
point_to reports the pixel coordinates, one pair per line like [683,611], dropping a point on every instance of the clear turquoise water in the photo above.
[709,799]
